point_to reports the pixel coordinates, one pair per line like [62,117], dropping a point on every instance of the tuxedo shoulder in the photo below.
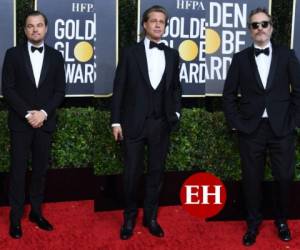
[243,52]
[14,53]
[52,50]
[281,48]
[129,49]
[283,51]
[132,46]
[14,49]
[172,49]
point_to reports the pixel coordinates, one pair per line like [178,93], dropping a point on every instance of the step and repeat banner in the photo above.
[7,29]
[206,34]
[85,32]
[295,37]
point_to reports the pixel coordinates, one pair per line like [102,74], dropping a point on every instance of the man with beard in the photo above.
[267,77]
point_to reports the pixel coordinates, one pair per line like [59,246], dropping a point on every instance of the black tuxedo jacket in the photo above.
[131,89]
[20,91]
[281,97]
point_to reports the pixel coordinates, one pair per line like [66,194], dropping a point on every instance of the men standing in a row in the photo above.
[267,76]
[33,84]
[145,108]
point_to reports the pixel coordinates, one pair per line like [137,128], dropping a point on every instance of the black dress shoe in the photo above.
[249,238]
[283,231]
[154,228]
[15,231]
[40,221]
[127,229]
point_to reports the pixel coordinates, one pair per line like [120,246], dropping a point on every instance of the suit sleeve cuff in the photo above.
[26,116]
[45,113]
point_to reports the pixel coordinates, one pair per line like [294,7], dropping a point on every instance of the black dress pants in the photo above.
[37,142]
[155,136]
[254,149]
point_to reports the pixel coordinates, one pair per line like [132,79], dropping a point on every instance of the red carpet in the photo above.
[78,227]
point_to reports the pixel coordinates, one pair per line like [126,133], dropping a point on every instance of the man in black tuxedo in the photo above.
[145,108]
[267,76]
[33,84]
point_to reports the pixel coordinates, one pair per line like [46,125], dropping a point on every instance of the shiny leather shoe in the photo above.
[249,238]
[154,228]
[127,229]
[15,231]
[40,221]
[283,231]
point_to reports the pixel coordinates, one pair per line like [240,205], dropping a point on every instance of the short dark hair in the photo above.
[36,13]
[154,8]
[259,10]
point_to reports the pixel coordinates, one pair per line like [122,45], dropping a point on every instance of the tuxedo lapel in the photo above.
[140,55]
[28,64]
[272,68]
[254,68]
[168,69]
[46,62]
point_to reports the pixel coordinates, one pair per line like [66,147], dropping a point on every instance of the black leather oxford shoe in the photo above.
[40,221]
[127,229]
[15,231]
[154,228]
[249,238]
[283,231]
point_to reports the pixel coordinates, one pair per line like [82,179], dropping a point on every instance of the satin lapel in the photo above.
[140,55]
[168,69]
[28,64]
[46,62]
[254,68]
[272,68]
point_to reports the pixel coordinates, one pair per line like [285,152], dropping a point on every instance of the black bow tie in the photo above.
[265,51]
[40,49]
[160,46]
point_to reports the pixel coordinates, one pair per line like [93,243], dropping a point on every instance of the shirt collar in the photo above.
[147,42]
[29,44]
[266,46]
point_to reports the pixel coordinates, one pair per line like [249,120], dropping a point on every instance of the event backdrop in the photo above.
[85,33]
[7,29]
[295,38]
[206,34]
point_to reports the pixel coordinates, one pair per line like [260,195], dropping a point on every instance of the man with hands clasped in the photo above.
[33,85]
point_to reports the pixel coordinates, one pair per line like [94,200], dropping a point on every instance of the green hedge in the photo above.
[72,142]
[84,139]
[201,143]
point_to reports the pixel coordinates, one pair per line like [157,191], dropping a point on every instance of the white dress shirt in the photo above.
[263,63]
[36,59]
[156,63]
